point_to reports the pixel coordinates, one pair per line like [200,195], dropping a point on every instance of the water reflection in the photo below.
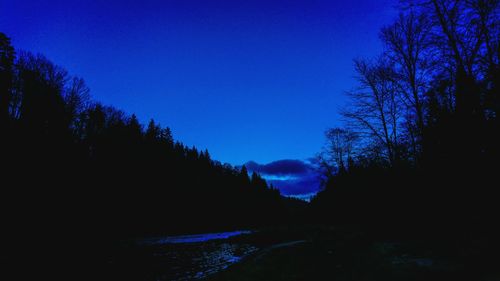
[208,259]
[187,257]
[193,238]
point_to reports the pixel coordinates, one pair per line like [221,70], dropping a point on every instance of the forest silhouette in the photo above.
[420,145]
[418,155]
[70,153]
[76,169]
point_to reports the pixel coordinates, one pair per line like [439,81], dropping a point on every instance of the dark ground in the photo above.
[347,254]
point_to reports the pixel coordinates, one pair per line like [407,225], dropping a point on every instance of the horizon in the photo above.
[221,140]
[258,81]
[171,76]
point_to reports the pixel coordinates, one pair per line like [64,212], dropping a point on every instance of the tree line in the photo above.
[77,166]
[421,133]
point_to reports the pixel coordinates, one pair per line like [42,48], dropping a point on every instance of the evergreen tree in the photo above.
[7,56]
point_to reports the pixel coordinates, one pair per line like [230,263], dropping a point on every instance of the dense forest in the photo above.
[417,153]
[420,142]
[420,145]
[74,165]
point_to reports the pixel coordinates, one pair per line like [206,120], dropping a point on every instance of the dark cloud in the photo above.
[281,167]
[292,177]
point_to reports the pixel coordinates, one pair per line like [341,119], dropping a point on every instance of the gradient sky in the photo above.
[248,80]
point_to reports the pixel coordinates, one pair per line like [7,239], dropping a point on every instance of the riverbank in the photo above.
[338,254]
[193,257]
[305,253]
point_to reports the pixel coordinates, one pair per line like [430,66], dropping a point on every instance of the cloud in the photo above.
[293,178]
[281,167]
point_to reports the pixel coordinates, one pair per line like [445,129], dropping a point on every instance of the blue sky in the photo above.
[248,80]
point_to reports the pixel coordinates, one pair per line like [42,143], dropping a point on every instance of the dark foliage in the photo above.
[427,127]
[73,169]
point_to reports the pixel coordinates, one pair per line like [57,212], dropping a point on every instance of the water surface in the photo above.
[195,238]
[183,257]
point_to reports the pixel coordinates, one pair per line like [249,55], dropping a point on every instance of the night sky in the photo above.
[248,80]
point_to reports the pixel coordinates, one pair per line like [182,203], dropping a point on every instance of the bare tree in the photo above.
[408,47]
[340,147]
[77,101]
[465,32]
[375,110]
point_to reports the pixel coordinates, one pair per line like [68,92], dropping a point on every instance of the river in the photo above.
[185,257]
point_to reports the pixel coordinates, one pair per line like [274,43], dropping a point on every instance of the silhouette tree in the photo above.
[245,180]
[7,56]
[426,115]
[102,169]
[153,132]
[340,148]
[134,128]
[408,42]
[77,101]
[375,111]
[258,182]
[41,86]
